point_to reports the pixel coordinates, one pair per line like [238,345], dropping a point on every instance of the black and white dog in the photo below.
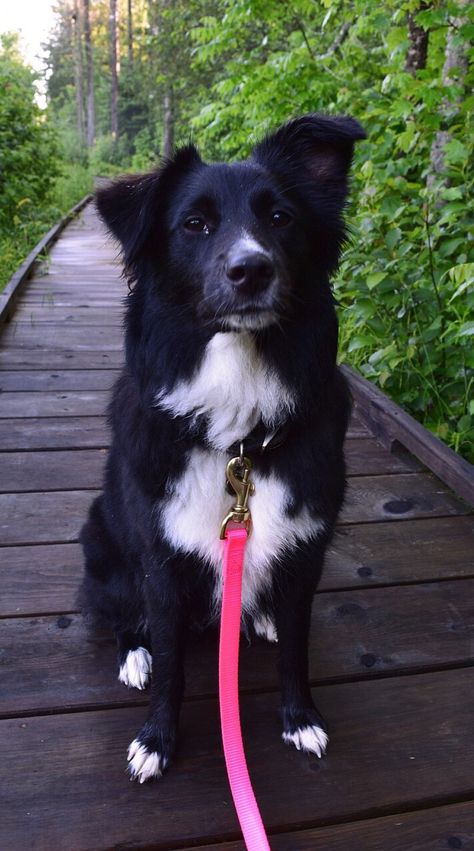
[231,335]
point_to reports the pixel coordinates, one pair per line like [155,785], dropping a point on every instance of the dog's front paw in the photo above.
[136,669]
[305,730]
[149,755]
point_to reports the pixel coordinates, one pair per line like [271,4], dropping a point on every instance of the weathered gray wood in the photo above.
[396,744]
[78,469]
[43,579]
[66,379]
[400,497]
[52,471]
[60,404]
[29,518]
[54,433]
[389,423]
[52,662]
[35,518]
[47,358]
[25,337]
[37,315]
[39,579]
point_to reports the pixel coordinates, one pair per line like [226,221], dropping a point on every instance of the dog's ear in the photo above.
[130,205]
[321,145]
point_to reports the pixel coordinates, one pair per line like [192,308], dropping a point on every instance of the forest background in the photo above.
[127,79]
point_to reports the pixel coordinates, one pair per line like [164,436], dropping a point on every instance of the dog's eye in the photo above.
[280,219]
[196,224]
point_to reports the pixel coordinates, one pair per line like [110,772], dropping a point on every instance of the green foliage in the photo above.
[36,187]
[406,283]
[28,149]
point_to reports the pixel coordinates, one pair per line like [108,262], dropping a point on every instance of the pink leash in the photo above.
[241,787]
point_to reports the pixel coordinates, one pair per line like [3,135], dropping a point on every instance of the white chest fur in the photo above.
[196,504]
[234,389]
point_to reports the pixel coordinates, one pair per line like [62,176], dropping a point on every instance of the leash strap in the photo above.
[244,799]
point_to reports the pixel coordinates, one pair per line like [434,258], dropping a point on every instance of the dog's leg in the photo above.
[303,726]
[167,614]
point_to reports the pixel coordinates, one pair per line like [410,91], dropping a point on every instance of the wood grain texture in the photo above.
[400,743]
[83,468]
[29,518]
[390,423]
[43,579]
[442,829]
[49,381]
[39,579]
[54,433]
[49,404]
[54,358]
[54,663]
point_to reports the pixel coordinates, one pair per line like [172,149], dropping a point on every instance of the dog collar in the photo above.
[260,440]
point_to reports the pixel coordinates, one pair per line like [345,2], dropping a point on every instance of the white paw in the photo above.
[265,628]
[136,669]
[310,739]
[143,765]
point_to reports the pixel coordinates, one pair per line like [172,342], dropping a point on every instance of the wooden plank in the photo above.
[51,471]
[54,663]
[38,579]
[67,772]
[78,469]
[366,457]
[400,497]
[25,337]
[424,830]
[67,379]
[47,358]
[17,281]
[68,433]
[33,518]
[38,315]
[389,423]
[61,404]
[417,551]
[43,579]
[54,433]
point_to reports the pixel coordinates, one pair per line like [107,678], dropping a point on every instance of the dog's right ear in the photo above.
[130,205]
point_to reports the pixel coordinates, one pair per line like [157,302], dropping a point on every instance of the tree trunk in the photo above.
[418,42]
[130,33]
[78,72]
[168,122]
[455,65]
[113,69]
[90,76]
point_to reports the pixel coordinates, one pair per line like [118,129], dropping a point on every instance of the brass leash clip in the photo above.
[238,472]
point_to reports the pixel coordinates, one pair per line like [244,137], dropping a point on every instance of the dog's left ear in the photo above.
[321,145]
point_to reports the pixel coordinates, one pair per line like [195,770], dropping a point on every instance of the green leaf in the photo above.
[374,279]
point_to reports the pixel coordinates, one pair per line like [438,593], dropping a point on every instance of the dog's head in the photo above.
[244,245]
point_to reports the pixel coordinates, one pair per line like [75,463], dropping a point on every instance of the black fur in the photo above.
[181,295]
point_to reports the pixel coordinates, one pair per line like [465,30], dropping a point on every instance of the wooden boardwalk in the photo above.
[391,648]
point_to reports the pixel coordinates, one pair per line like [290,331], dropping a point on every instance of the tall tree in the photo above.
[129,33]
[90,76]
[113,69]
[418,37]
[78,71]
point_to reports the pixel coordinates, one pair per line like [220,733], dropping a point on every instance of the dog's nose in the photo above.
[250,272]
